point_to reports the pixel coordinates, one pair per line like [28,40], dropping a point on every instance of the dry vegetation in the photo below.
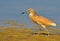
[11,33]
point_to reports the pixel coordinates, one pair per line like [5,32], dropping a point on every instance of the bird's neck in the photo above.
[32,14]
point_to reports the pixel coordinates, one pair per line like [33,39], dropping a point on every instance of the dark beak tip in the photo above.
[22,12]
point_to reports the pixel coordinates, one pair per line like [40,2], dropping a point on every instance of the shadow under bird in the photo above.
[40,20]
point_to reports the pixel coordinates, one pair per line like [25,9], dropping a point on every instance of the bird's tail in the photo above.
[53,24]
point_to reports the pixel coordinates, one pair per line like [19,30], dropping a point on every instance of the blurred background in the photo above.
[10,11]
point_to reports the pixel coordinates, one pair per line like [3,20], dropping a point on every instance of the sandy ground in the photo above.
[23,34]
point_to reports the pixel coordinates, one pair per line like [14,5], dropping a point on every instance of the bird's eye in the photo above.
[28,10]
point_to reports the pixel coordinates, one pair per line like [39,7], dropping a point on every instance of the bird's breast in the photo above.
[33,18]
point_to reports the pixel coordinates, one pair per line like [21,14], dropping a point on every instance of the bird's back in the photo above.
[45,21]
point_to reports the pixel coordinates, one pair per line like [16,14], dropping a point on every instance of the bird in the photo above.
[39,20]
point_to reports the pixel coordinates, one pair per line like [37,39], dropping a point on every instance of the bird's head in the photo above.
[30,10]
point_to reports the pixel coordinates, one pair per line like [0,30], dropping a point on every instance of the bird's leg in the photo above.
[45,28]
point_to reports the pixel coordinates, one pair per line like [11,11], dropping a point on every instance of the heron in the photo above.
[40,20]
